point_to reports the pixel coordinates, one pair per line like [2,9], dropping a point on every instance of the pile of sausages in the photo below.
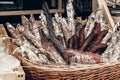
[79,45]
[79,48]
[53,43]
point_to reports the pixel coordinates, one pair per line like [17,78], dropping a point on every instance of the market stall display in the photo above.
[61,47]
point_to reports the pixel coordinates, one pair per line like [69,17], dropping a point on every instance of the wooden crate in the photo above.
[17,74]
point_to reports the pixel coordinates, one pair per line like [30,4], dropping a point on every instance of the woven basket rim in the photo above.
[65,68]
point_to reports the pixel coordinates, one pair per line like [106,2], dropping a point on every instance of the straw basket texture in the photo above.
[101,71]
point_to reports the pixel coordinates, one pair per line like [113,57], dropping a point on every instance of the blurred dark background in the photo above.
[82,8]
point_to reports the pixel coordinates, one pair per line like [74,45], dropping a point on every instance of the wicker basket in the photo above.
[101,71]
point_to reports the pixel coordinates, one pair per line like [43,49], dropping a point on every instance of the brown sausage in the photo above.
[70,43]
[60,38]
[73,56]
[86,42]
[98,39]
[100,36]
[81,36]
[75,41]
[77,28]
[97,28]
[97,47]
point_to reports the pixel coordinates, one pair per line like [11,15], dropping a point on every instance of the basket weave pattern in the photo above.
[102,71]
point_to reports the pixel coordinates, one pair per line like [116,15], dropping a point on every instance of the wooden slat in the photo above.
[53,3]
[59,4]
[115,11]
[105,11]
[94,5]
[27,12]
